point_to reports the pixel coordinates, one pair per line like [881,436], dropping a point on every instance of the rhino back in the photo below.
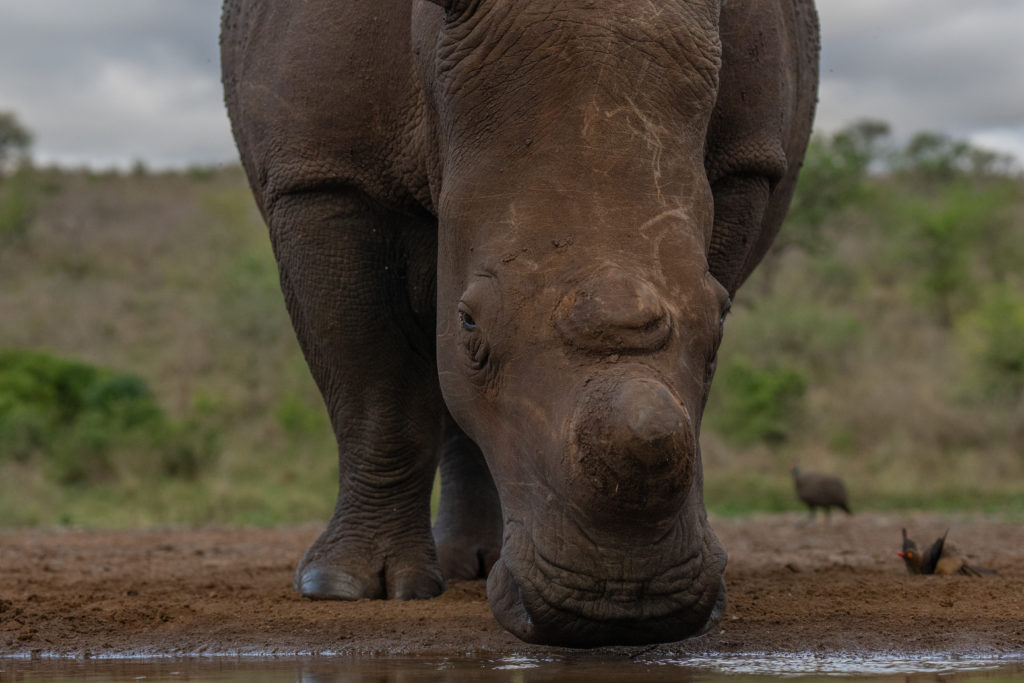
[321,95]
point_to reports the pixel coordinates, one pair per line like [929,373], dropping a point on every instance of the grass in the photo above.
[740,494]
[169,277]
[832,359]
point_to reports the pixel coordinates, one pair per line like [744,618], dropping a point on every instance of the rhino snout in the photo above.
[632,444]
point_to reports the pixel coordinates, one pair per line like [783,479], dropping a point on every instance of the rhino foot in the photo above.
[466,560]
[468,529]
[468,536]
[337,575]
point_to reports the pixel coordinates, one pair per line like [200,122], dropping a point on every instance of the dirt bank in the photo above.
[792,587]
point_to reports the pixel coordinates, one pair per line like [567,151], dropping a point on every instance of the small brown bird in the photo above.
[941,558]
[818,490]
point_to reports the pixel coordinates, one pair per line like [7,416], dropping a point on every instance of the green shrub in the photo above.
[831,178]
[751,404]
[22,432]
[83,424]
[999,349]
[953,243]
[188,448]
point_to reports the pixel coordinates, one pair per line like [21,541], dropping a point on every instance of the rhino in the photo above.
[508,233]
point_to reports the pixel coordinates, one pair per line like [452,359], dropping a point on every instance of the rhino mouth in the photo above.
[542,601]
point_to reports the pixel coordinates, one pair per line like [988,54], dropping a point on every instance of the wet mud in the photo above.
[793,587]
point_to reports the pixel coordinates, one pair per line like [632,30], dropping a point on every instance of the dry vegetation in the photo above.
[882,341]
[897,298]
[169,277]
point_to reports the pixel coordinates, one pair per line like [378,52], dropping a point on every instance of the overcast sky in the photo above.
[111,81]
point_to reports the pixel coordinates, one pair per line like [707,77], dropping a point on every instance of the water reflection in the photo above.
[583,669]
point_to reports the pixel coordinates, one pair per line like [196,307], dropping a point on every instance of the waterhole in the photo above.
[583,669]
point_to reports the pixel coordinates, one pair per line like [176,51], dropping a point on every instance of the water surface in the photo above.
[577,669]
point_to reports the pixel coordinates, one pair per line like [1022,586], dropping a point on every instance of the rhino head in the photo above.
[578,321]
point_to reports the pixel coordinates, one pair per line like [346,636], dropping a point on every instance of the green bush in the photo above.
[998,351]
[950,243]
[938,252]
[188,448]
[751,404]
[84,425]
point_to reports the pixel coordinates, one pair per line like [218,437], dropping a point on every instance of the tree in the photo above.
[956,241]
[831,178]
[17,194]
[938,158]
[15,141]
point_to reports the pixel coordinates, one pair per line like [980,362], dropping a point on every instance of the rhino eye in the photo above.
[467,322]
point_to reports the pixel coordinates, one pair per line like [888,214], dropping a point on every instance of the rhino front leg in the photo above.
[468,526]
[358,284]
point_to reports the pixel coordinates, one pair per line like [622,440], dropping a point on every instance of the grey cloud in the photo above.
[115,80]
[109,81]
[923,64]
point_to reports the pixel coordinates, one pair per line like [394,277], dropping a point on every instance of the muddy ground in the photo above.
[792,588]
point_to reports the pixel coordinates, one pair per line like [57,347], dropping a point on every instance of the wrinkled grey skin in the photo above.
[508,233]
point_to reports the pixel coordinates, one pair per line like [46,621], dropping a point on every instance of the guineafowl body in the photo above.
[819,490]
